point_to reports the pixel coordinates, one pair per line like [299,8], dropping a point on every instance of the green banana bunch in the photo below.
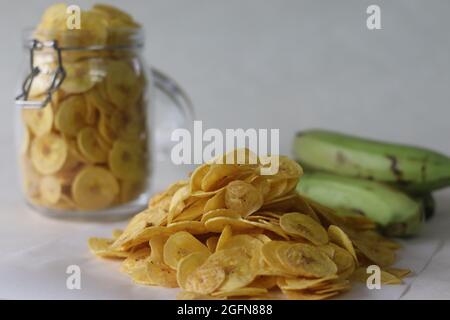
[413,169]
[394,211]
[390,183]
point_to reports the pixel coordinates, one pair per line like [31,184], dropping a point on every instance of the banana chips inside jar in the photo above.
[87,148]
[230,232]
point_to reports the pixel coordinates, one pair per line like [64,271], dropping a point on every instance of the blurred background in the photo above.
[286,64]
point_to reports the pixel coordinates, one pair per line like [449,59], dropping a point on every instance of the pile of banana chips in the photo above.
[230,232]
[87,149]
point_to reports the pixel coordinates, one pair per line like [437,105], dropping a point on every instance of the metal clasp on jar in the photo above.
[58,76]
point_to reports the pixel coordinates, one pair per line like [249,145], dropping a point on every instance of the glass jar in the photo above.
[85,125]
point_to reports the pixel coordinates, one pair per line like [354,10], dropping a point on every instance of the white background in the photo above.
[281,64]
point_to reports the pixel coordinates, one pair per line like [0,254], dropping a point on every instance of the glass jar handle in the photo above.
[169,93]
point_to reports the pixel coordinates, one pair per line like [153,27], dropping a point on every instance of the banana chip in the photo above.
[127,162]
[50,189]
[48,153]
[205,279]
[39,121]
[211,243]
[301,225]
[339,237]
[90,146]
[160,274]
[122,84]
[102,248]
[344,261]
[218,175]
[97,97]
[361,275]
[228,232]
[305,260]
[243,197]
[79,77]
[217,201]
[180,245]
[94,188]
[237,268]
[70,118]
[379,255]
[188,265]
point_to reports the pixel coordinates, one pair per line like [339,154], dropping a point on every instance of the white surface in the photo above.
[261,64]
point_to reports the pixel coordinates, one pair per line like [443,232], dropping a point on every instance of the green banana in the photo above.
[413,169]
[395,212]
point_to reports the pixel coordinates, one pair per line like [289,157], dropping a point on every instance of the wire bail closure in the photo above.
[58,77]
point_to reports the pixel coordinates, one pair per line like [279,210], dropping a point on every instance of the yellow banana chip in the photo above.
[161,275]
[102,248]
[188,265]
[361,275]
[220,213]
[180,245]
[379,255]
[127,162]
[193,211]
[217,201]
[218,176]
[217,224]
[48,153]
[79,76]
[270,255]
[50,189]
[90,146]
[39,121]
[275,228]
[236,263]
[122,84]
[226,234]
[265,282]
[301,225]
[94,188]
[91,114]
[339,237]
[243,197]
[263,186]
[288,169]
[398,272]
[211,243]
[197,176]
[70,117]
[303,259]
[277,189]
[344,261]
[205,279]
[97,97]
